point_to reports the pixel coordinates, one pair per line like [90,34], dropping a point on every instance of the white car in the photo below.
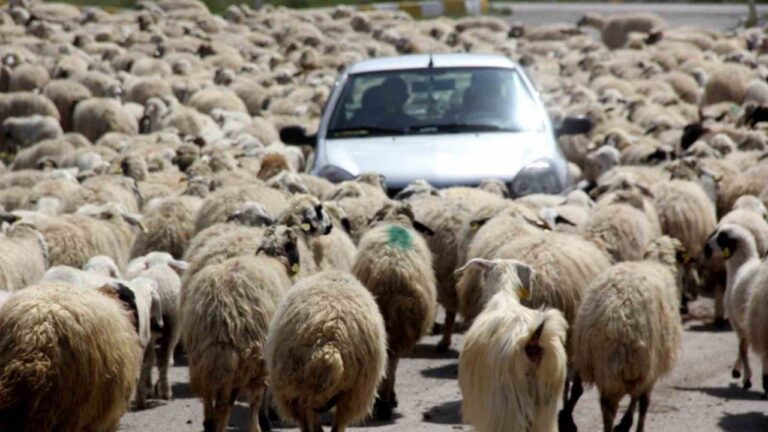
[450,119]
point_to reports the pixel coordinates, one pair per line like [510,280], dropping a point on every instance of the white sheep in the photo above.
[628,334]
[737,247]
[512,368]
[326,348]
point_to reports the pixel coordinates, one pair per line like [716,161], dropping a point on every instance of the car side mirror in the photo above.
[296,135]
[574,126]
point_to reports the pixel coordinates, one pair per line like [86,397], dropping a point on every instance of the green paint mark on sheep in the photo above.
[399,237]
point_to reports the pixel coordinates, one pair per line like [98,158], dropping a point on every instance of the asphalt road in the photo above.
[699,395]
[713,16]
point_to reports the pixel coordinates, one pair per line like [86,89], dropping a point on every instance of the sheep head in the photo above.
[307,213]
[251,214]
[399,213]
[282,242]
[503,274]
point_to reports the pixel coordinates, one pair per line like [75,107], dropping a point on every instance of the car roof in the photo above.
[421,61]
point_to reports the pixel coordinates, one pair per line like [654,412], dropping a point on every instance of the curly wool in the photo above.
[70,358]
[628,332]
[327,342]
[220,204]
[395,264]
[226,309]
[685,213]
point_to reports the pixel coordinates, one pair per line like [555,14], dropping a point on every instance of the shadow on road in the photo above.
[446,413]
[705,327]
[751,421]
[732,391]
[429,351]
[181,390]
[449,371]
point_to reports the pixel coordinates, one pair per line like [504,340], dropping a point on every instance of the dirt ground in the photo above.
[699,395]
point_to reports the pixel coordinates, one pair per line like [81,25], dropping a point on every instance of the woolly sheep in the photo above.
[326,348]
[627,334]
[395,265]
[616,28]
[226,310]
[21,132]
[24,254]
[218,206]
[513,365]
[96,116]
[756,325]
[88,391]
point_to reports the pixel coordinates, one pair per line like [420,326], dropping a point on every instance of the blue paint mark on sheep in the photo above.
[399,238]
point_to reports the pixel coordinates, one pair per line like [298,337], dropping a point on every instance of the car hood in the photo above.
[443,160]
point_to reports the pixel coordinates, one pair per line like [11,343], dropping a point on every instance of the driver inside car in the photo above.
[485,98]
[383,106]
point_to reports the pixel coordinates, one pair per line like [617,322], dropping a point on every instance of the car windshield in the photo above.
[434,100]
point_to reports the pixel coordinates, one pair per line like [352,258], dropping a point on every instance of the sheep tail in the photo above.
[323,374]
[214,371]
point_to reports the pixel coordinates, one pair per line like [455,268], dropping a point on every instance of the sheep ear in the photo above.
[8,217]
[533,349]
[420,227]
[559,219]
[483,263]
[346,225]
[135,220]
[178,265]
[477,224]
[525,273]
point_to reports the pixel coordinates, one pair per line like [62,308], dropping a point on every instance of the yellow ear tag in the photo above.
[524,293]
[295,269]
[474,225]
[686,258]
[726,253]
[306,227]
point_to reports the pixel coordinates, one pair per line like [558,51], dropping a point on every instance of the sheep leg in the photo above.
[162,389]
[337,427]
[626,422]
[222,411]
[257,398]
[720,321]
[645,401]
[145,377]
[609,406]
[208,423]
[736,372]
[744,354]
[565,418]
[445,343]
[385,402]
[264,421]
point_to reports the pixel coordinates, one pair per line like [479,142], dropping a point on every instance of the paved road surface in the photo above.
[715,16]
[698,396]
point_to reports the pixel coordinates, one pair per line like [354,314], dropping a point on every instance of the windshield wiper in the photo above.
[465,127]
[365,130]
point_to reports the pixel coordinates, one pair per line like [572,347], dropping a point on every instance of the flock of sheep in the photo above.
[149,207]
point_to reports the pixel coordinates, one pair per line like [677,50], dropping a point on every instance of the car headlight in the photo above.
[334,174]
[539,176]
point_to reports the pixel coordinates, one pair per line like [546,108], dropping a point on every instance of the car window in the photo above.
[434,101]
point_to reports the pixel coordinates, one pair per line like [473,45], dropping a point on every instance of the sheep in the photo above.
[160,268]
[728,83]
[24,254]
[24,104]
[96,230]
[43,325]
[21,132]
[226,310]
[620,227]
[66,94]
[737,247]
[686,213]
[169,225]
[616,28]
[96,116]
[221,203]
[756,333]
[103,266]
[513,365]
[326,348]
[395,265]
[628,334]
[335,250]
